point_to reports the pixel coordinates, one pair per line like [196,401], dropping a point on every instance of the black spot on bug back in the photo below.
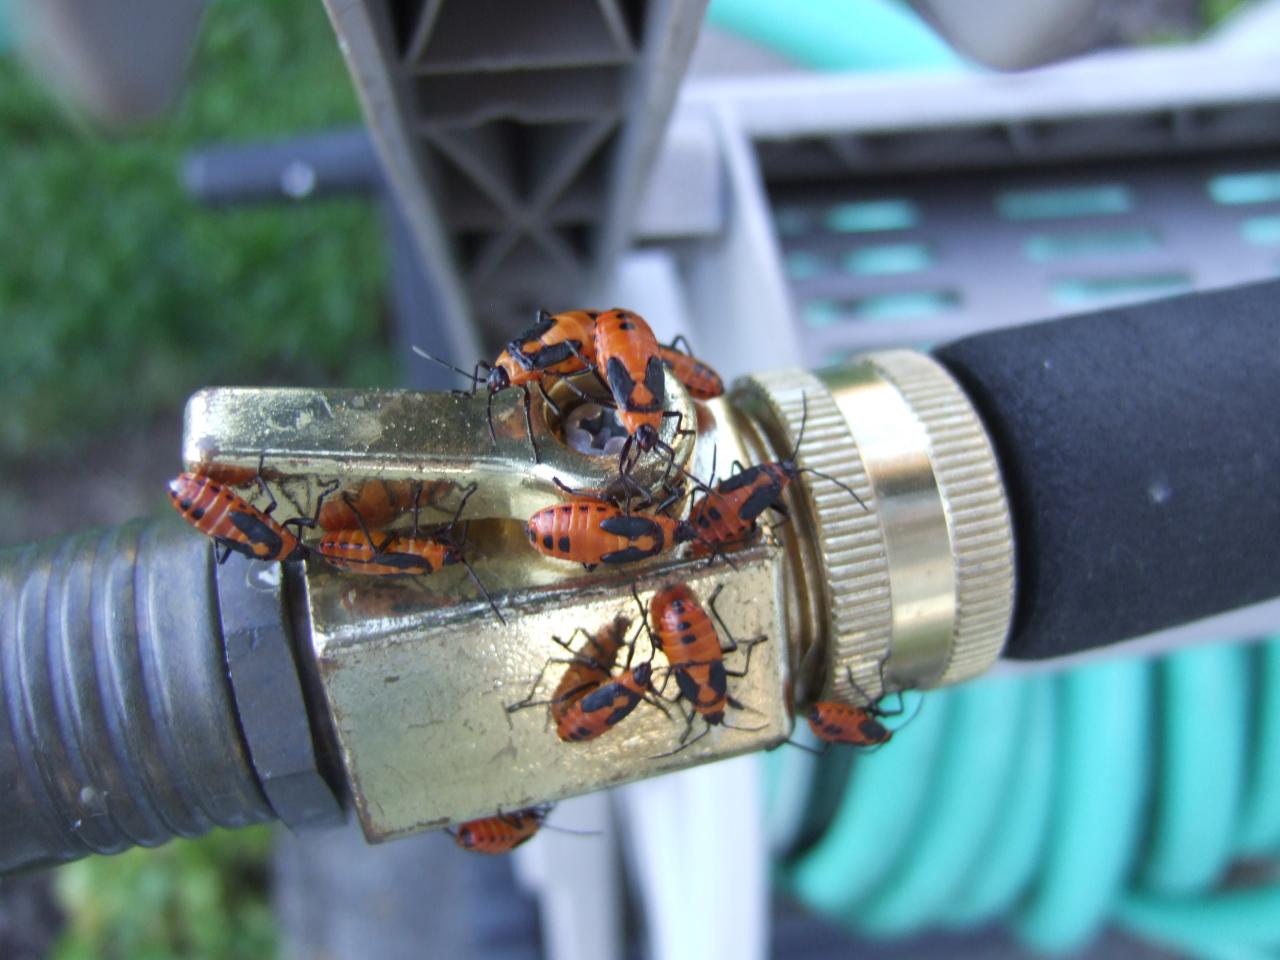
[872,730]
[655,380]
[256,531]
[632,527]
[197,513]
[626,325]
[556,353]
[565,546]
[738,480]
[629,555]
[620,383]
[718,680]
[687,638]
[185,504]
[713,513]
[760,500]
[601,698]
[688,686]
[549,542]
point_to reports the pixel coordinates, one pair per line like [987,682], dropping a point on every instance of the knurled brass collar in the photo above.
[922,579]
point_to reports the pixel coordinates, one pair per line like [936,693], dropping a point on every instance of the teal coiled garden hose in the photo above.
[1122,793]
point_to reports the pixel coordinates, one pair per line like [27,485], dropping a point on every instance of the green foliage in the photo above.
[119,295]
[1214,12]
[189,900]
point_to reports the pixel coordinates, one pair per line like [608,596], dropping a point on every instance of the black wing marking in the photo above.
[257,531]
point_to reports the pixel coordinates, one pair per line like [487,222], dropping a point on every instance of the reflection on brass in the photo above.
[417,673]
[418,686]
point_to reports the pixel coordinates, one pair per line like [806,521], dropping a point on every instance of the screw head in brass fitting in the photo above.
[920,580]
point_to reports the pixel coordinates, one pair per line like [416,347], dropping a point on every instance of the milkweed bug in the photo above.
[378,501]
[556,345]
[390,554]
[589,701]
[834,722]
[700,380]
[683,631]
[727,515]
[501,833]
[589,667]
[592,532]
[218,512]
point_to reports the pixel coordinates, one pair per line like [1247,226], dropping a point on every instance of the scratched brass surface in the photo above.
[310,437]
[416,673]
[418,688]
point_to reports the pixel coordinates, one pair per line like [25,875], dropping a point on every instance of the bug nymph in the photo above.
[387,554]
[501,833]
[728,514]
[683,631]
[555,346]
[592,532]
[234,524]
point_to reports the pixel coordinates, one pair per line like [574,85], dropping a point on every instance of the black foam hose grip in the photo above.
[1140,448]
[120,725]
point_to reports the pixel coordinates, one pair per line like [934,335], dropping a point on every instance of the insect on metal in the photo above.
[557,345]
[858,725]
[591,532]
[389,554]
[589,700]
[501,833]
[235,524]
[683,631]
[702,382]
[727,514]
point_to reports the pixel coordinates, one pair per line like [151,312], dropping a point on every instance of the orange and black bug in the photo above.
[629,360]
[589,701]
[727,515]
[683,631]
[388,554]
[591,532]
[834,722]
[378,502]
[235,524]
[588,668]
[603,708]
[700,380]
[501,833]
[556,345]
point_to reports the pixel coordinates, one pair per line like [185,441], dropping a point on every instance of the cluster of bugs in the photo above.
[206,500]
[595,694]
[613,360]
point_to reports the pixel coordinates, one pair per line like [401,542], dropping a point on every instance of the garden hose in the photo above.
[1122,793]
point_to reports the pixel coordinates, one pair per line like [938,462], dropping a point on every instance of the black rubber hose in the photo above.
[1140,448]
[119,725]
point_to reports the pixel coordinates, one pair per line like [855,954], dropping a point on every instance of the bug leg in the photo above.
[266,491]
[678,339]
[469,489]
[528,701]
[528,423]
[221,551]
[546,398]
[314,520]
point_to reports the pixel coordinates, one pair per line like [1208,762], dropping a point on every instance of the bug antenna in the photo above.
[480,585]
[572,833]
[839,483]
[804,418]
[445,363]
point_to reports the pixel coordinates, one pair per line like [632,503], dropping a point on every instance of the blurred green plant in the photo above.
[119,295]
[1214,12]
[189,900]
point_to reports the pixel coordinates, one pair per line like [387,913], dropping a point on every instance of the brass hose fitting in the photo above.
[412,677]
